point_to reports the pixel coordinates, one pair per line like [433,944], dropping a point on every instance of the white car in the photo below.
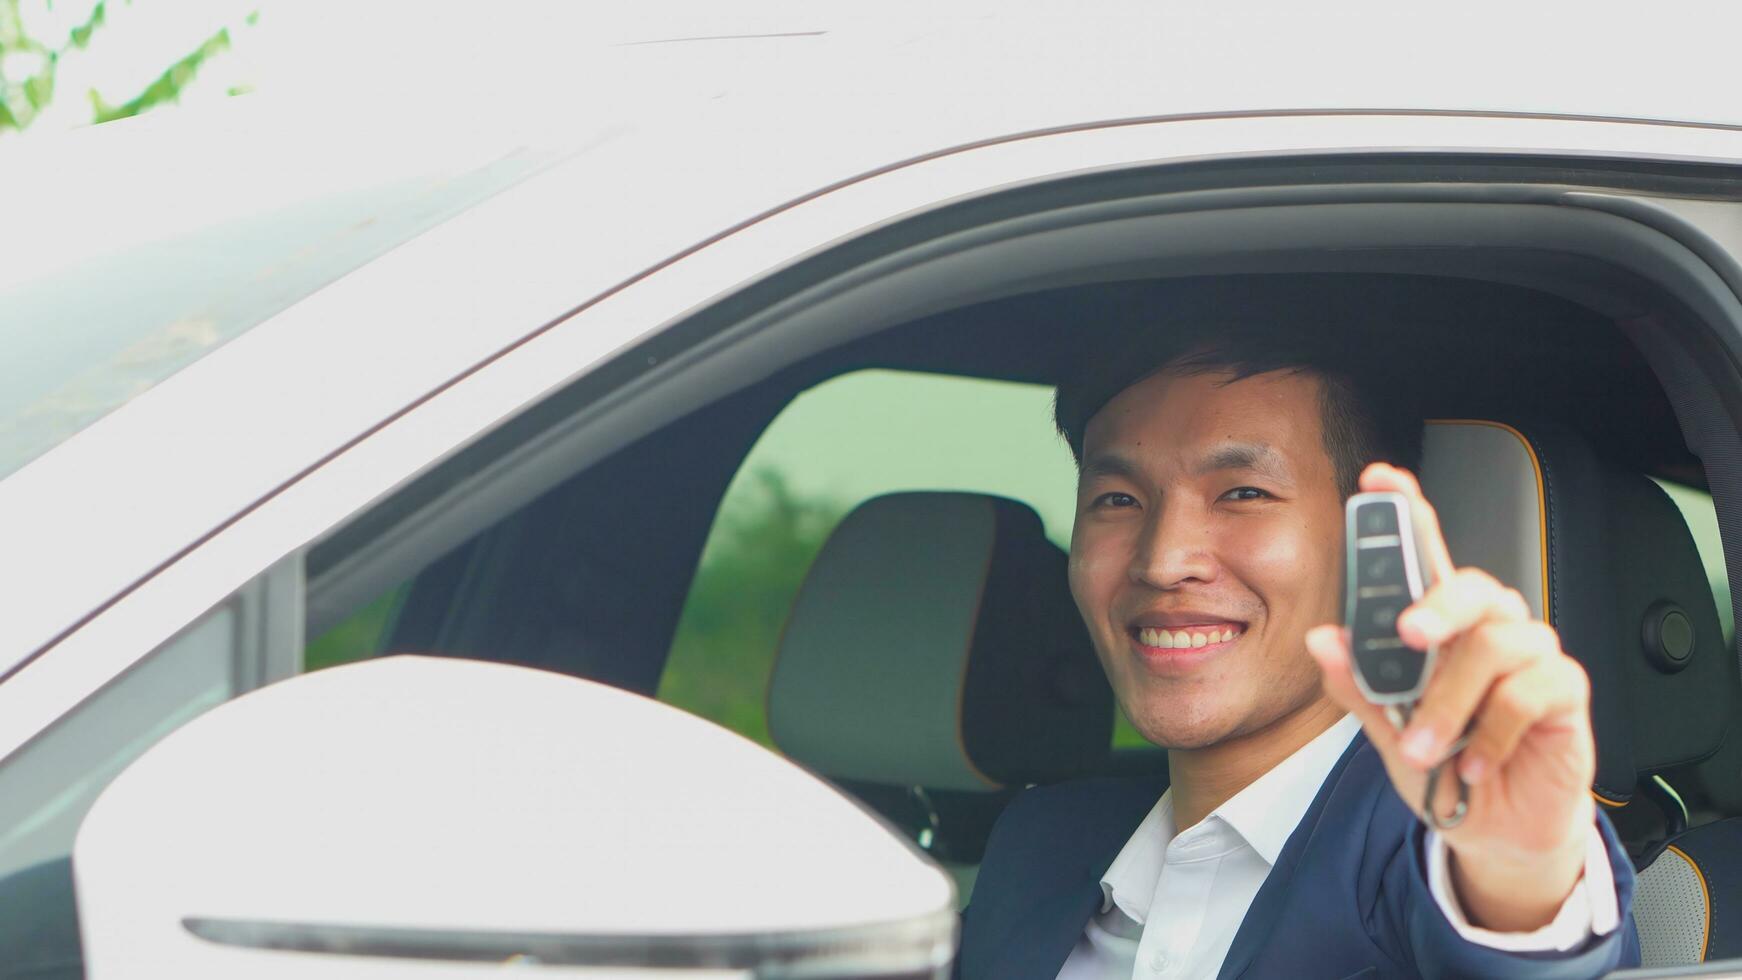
[555,390]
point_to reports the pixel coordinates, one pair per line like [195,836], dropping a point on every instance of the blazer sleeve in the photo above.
[1438,951]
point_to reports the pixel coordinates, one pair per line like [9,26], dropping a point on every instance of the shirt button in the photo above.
[1159,963]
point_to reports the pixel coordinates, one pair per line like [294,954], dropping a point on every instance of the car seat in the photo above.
[1605,556]
[933,664]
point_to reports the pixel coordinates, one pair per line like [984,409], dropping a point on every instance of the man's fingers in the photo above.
[1455,604]
[1467,671]
[1330,647]
[1550,688]
[1430,539]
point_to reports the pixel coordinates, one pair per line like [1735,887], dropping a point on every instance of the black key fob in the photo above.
[1383,576]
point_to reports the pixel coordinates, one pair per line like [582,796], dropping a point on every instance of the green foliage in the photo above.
[81,35]
[762,545]
[357,638]
[166,87]
[22,100]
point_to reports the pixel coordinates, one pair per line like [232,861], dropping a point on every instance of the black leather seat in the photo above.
[1608,558]
[934,664]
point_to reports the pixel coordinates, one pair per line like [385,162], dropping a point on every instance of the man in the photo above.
[1206,560]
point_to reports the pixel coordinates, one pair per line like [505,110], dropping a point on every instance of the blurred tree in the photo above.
[28,66]
[756,558]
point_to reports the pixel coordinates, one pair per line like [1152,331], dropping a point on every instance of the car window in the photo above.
[1702,520]
[358,636]
[843,442]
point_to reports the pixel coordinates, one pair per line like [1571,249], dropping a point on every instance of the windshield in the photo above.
[135,254]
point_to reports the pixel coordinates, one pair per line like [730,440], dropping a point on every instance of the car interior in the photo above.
[932,663]
[914,642]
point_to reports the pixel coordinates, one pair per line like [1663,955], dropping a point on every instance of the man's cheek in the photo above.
[1088,570]
[1280,559]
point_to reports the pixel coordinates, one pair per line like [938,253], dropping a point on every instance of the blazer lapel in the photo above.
[1268,904]
[1039,951]
[1037,946]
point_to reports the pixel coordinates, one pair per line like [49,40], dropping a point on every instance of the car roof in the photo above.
[1061,64]
[678,123]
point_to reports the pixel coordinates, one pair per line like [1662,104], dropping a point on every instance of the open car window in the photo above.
[1702,519]
[854,437]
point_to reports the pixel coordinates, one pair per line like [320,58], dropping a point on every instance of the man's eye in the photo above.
[1245,493]
[1114,500]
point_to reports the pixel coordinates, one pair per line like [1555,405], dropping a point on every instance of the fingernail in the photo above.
[1424,623]
[1418,746]
[1473,768]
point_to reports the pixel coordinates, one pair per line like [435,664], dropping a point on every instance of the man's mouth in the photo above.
[1188,636]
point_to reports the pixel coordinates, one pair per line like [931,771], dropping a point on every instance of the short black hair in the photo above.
[1321,328]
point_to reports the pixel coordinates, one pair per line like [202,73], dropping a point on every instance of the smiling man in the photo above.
[1214,458]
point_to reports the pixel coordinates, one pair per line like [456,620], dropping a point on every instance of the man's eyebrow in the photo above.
[1108,464]
[1255,456]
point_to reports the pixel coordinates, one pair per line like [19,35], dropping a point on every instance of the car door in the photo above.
[418,471]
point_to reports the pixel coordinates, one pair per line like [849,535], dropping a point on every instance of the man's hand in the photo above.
[1521,848]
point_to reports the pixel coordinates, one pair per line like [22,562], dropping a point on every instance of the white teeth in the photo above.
[1176,639]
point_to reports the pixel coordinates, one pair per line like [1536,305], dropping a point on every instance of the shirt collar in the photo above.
[1131,879]
[1264,814]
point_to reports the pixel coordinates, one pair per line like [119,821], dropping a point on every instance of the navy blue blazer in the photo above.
[1348,896]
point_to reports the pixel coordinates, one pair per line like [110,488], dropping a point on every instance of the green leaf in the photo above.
[81,34]
[40,90]
[168,86]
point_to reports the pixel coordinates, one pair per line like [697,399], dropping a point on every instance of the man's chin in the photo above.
[1176,735]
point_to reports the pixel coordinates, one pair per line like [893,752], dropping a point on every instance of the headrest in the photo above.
[1607,559]
[934,643]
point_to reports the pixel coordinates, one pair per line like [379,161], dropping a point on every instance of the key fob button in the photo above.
[1371,519]
[1381,566]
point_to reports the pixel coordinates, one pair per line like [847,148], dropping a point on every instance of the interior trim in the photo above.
[1706,890]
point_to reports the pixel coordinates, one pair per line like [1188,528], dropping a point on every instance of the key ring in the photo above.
[1399,717]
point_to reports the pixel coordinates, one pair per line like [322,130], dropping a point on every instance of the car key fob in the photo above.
[1384,575]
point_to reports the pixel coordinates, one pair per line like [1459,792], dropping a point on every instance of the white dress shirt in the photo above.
[1174,899]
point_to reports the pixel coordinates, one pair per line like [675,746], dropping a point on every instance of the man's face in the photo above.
[1208,539]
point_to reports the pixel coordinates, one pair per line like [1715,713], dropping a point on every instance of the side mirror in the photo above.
[418,814]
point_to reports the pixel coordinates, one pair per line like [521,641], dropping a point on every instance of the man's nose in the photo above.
[1173,550]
